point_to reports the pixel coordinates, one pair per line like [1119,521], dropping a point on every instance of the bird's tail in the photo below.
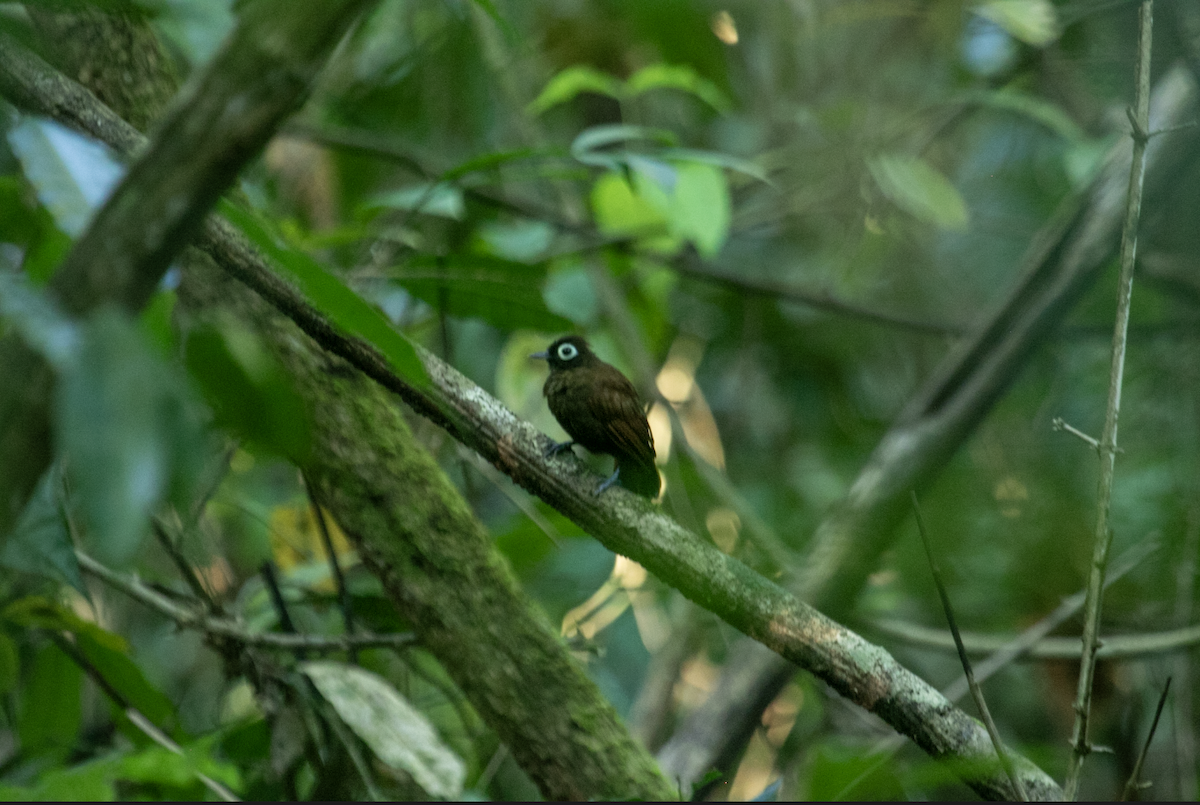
[640,477]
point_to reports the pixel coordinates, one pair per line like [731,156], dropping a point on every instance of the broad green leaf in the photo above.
[156,765]
[28,224]
[38,321]
[248,390]
[586,146]
[10,664]
[396,732]
[919,189]
[621,212]
[38,612]
[700,208]
[1032,107]
[107,651]
[569,292]
[502,292]
[1032,21]
[41,542]
[679,77]
[126,677]
[716,159]
[50,710]
[430,198]
[495,160]
[72,173]
[347,309]
[572,81]
[131,431]
[86,782]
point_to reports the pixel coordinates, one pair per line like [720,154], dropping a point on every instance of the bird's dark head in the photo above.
[568,352]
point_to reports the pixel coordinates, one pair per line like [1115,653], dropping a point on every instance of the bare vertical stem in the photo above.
[1140,119]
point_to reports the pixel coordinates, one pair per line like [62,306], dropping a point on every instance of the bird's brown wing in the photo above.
[615,403]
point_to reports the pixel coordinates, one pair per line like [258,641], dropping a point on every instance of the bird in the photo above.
[600,409]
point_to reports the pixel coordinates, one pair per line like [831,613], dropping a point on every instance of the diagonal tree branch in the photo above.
[261,75]
[633,527]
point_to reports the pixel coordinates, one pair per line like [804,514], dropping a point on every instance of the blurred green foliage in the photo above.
[480,177]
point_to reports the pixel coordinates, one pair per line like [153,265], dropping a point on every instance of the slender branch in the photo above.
[1140,119]
[976,691]
[159,528]
[335,566]
[1132,786]
[1120,647]
[135,716]
[1016,648]
[189,618]
[821,300]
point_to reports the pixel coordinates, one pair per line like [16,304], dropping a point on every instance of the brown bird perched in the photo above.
[600,409]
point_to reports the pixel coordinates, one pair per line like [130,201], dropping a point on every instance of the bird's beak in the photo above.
[541,356]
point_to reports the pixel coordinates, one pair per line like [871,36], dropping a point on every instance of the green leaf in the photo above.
[495,160]
[679,77]
[50,709]
[622,212]
[716,159]
[39,612]
[107,651]
[71,173]
[586,146]
[347,309]
[248,390]
[396,732]
[131,430]
[1036,109]
[571,82]
[701,210]
[919,189]
[502,292]
[119,670]
[41,543]
[430,198]
[1034,22]
[10,664]
[156,765]
[38,321]
[30,226]
[87,782]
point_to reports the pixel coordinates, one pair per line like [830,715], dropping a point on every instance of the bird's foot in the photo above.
[612,479]
[557,447]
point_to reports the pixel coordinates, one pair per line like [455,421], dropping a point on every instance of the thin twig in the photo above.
[189,576]
[196,618]
[1122,647]
[976,691]
[135,716]
[1108,439]
[1132,786]
[821,300]
[334,567]
[1060,424]
[1018,647]
[506,487]
[348,740]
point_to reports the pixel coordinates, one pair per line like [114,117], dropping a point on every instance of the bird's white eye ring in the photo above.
[567,352]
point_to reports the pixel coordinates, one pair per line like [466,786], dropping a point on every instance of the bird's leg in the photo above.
[612,479]
[557,447]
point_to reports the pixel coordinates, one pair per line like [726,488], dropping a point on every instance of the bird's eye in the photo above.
[567,352]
